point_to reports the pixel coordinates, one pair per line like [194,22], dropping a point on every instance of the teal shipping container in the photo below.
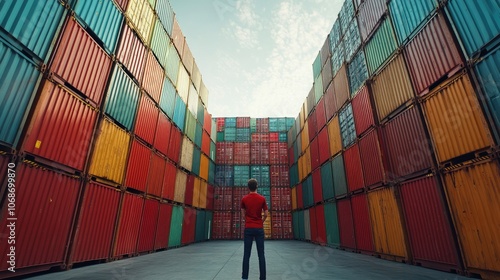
[173,63]
[122,98]
[346,15]
[190,126]
[307,192]
[380,47]
[208,224]
[283,137]
[357,72]
[195,167]
[201,220]
[332,224]
[339,179]
[167,100]
[220,136]
[198,135]
[18,82]
[316,66]
[35,24]
[294,175]
[159,43]
[408,16]
[302,232]
[230,122]
[327,181]
[103,18]
[338,58]
[200,113]
[175,237]
[230,134]
[261,174]
[352,40]
[334,35]
[347,128]
[212,151]
[211,173]
[253,125]
[165,14]
[241,175]
[318,90]
[242,134]
[179,112]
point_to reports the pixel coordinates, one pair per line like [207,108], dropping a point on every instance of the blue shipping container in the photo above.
[179,112]
[407,16]
[167,100]
[357,72]
[347,128]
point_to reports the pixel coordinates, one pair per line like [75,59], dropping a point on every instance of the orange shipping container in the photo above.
[304,136]
[307,162]
[392,87]
[294,198]
[153,77]
[203,194]
[204,163]
[334,136]
[455,119]
[473,194]
[388,235]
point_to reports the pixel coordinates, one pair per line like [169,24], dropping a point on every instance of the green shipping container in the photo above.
[332,224]
[159,43]
[300,218]
[208,224]
[229,134]
[327,181]
[339,179]
[200,112]
[318,89]
[307,192]
[220,136]
[253,125]
[190,126]
[211,173]
[295,222]
[201,220]
[212,151]
[195,168]
[167,99]
[408,15]
[317,66]
[198,134]
[173,62]
[380,47]
[283,137]
[241,175]
[175,236]
[242,135]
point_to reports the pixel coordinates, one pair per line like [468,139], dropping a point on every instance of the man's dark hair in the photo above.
[252,184]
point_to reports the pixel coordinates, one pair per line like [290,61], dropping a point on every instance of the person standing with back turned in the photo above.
[252,206]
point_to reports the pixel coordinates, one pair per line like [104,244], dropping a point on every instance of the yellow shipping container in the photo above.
[307,162]
[203,194]
[334,136]
[392,87]
[455,119]
[196,192]
[301,168]
[302,115]
[474,199]
[110,154]
[186,153]
[294,198]
[304,137]
[180,186]
[388,235]
[142,18]
[267,226]
[204,163]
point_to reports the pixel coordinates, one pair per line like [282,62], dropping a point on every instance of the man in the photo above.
[252,206]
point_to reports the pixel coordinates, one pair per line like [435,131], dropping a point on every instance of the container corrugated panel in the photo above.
[61,127]
[358,73]
[320,224]
[190,126]
[387,228]
[325,51]
[187,154]
[132,53]
[156,175]
[352,40]
[346,14]
[318,89]
[200,113]
[198,135]
[310,100]
[177,36]
[34,23]
[327,181]
[338,58]
[326,77]
[163,228]
[330,103]
[332,224]
[45,206]
[488,73]
[173,62]
[204,167]
[180,186]
[346,224]
[477,26]
[179,112]
[188,195]
[362,225]
[294,198]
[17,93]
[169,179]
[204,93]
[110,152]
[316,186]
[121,4]
[187,58]
[429,232]
[200,226]
[347,128]
[408,15]
[341,86]
[472,200]
[162,137]
[165,14]
[167,99]
[307,224]
[175,236]
[432,54]
[146,120]
[311,123]
[205,195]
[188,226]
[174,146]
[149,222]
[142,17]
[334,35]
[369,14]
[196,77]
[183,83]
[371,158]
[339,177]
[195,168]
[122,98]
[391,87]
[314,224]
[316,66]
[324,146]
[103,18]
[362,111]
[193,100]
[353,168]
[129,225]
[80,62]
[334,136]
[406,144]
[381,46]
[320,114]
[96,223]
[159,43]
[153,78]
[455,119]
[138,165]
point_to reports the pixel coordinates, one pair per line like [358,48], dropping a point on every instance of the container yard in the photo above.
[112,165]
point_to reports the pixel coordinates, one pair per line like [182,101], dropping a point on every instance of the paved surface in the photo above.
[221,260]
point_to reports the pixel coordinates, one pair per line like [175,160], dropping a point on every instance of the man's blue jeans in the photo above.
[250,234]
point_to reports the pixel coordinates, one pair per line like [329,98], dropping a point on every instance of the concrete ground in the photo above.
[221,260]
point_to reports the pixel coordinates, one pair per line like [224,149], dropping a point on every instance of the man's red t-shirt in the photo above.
[254,204]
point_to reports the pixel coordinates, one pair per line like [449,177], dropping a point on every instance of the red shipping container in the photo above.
[96,223]
[156,175]
[220,152]
[174,147]
[330,102]
[277,229]
[61,128]
[163,226]
[162,137]
[286,199]
[311,123]
[132,53]
[406,145]
[222,225]
[220,124]
[207,121]
[321,224]
[369,14]
[147,118]
[274,137]
[128,226]
[262,125]
[238,194]
[274,153]
[314,146]
[80,62]
[216,226]
[243,122]
[300,200]
[291,156]
[275,199]
[429,229]
[228,153]
[314,225]
[242,153]
[286,222]
[189,226]
[237,225]
[432,55]
[353,168]
[371,159]
[154,77]
[218,199]
[137,169]
[320,114]
[283,153]
[122,4]
[346,224]
[210,197]
[168,189]
[274,171]
[228,198]
[5,159]
[45,209]
[188,195]
[149,223]
[324,146]
[362,224]
[284,176]
[362,111]
[316,185]
[205,143]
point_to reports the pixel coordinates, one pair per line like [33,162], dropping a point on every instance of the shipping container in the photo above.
[138,166]
[173,63]
[186,160]
[362,224]
[175,236]
[369,15]
[179,112]
[165,14]
[352,40]
[132,53]
[353,168]
[338,58]
[174,147]
[346,224]
[149,222]
[358,73]
[459,127]
[317,188]
[407,16]
[156,175]
[472,200]
[146,120]
[330,103]
[162,136]
[380,47]
[339,177]
[313,225]
[169,179]
[187,58]
[362,111]
[321,237]
[188,226]
[307,223]
[334,136]
[335,35]
[180,186]
[110,152]
[332,224]
[328,190]
[141,17]
[347,128]
[81,63]
[341,86]
[346,14]
[372,160]
[129,223]
[152,81]
[160,43]
[163,226]
[61,127]
[314,151]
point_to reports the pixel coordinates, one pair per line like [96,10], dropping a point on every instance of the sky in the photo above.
[256,56]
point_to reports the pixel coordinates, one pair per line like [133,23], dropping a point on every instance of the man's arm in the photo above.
[243,212]
[266,212]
